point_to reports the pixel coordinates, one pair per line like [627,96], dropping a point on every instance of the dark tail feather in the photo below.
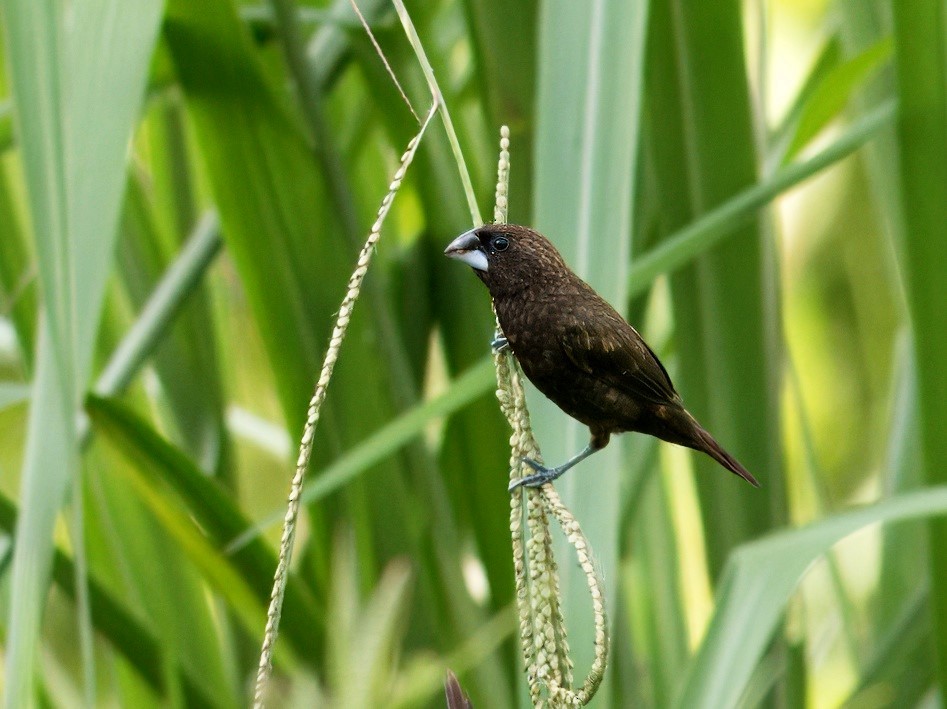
[708,445]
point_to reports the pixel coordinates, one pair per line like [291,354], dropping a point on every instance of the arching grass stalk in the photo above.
[421,55]
[312,417]
[542,628]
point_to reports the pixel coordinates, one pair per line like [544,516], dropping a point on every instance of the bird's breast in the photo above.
[532,327]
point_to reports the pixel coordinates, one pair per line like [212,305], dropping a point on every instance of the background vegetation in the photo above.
[761,187]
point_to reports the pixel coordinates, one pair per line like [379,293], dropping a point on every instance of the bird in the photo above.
[576,349]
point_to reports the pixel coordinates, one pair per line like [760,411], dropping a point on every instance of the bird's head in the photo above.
[508,257]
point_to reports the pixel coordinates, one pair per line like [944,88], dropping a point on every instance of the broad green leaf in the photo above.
[164,303]
[589,97]
[77,88]
[172,596]
[653,589]
[920,34]
[701,136]
[156,463]
[384,442]
[757,583]
[128,634]
[900,571]
[6,125]
[219,572]
[271,216]
[828,59]
[900,669]
[186,359]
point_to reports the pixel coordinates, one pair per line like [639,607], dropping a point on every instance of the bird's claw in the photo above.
[499,343]
[542,476]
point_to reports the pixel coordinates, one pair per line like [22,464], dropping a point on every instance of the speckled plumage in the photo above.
[577,350]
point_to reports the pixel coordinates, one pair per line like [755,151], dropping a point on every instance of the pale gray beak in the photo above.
[466,248]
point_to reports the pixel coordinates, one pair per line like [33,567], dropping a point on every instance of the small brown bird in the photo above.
[576,348]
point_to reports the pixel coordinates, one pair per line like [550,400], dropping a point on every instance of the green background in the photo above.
[761,187]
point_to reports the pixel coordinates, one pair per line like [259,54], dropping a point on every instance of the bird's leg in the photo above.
[544,475]
[499,343]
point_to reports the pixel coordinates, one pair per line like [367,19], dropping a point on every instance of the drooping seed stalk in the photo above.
[543,637]
[312,418]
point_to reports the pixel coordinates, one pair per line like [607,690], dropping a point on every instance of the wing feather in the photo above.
[612,351]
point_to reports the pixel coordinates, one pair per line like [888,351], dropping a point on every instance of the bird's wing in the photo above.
[611,350]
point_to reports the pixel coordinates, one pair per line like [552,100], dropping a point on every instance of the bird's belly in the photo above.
[531,332]
[579,394]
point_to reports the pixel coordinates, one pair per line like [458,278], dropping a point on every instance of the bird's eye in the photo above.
[500,243]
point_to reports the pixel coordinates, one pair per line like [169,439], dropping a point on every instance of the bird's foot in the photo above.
[542,475]
[499,343]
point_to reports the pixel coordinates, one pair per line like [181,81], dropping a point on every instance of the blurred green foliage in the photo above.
[760,187]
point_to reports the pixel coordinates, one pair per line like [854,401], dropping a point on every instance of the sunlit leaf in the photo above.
[77,88]
[756,585]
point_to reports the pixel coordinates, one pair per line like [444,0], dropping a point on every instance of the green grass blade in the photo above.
[204,498]
[34,44]
[686,244]
[112,620]
[36,57]
[162,307]
[109,53]
[164,279]
[474,383]
[921,48]
[436,94]
[17,281]
[828,59]
[833,92]
[757,584]
[49,460]
[510,96]
[220,573]
[77,88]
[900,668]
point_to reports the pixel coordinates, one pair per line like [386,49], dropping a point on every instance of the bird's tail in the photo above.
[706,443]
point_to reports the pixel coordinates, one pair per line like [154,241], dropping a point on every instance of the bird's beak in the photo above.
[466,248]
